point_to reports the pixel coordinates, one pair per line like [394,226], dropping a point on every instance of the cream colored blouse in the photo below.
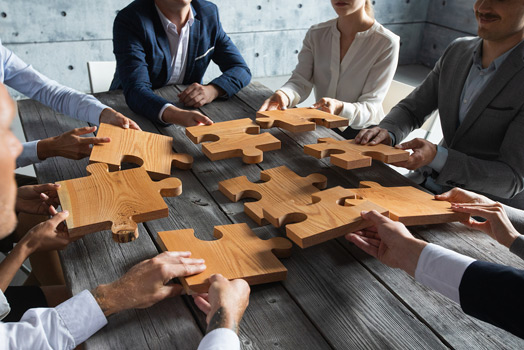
[361,80]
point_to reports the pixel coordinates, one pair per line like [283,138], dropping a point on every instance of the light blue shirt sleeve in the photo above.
[440,159]
[29,154]
[63,327]
[24,78]
[442,269]
[220,339]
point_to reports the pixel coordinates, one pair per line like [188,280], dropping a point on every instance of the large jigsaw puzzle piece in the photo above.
[114,200]
[152,151]
[234,138]
[299,119]
[236,253]
[280,184]
[347,154]
[328,216]
[408,204]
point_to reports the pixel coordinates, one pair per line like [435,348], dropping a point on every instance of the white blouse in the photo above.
[361,80]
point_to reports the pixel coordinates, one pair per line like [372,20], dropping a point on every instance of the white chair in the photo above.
[100,75]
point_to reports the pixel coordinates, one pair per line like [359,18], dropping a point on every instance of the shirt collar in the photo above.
[166,22]
[477,58]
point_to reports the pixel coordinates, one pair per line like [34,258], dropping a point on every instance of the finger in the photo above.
[175,254]
[363,244]
[181,270]
[58,218]
[83,131]
[415,143]
[202,119]
[52,210]
[375,217]
[94,140]
[50,187]
[264,106]
[216,278]
[133,125]
[187,91]
[172,290]
[370,135]
[202,304]
[446,196]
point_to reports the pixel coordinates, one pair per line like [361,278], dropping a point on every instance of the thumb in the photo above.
[173,290]
[408,145]
[83,131]
[202,119]
[375,217]
[58,218]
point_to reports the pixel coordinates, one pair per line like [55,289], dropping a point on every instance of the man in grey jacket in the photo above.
[478,88]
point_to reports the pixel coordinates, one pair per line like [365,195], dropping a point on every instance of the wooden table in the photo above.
[335,296]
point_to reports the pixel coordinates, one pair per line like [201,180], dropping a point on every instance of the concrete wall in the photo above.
[59,36]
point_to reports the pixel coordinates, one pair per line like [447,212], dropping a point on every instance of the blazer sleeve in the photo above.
[235,72]
[493,293]
[132,68]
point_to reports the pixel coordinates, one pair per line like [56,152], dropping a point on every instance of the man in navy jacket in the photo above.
[160,42]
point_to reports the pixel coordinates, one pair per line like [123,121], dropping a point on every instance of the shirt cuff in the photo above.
[440,159]
[220,339]
[442,269]
[393,138]
[82,316]
[162,112]
[517,247]
[95,109]
[29,154]
[292,95]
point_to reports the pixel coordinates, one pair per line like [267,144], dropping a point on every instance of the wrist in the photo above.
[512,236]
[44,148]
[24,248]
[172,115]
[409,260]
[104,295]
[216,91]
[222,318]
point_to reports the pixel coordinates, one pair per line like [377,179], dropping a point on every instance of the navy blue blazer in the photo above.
[143,57]
[493,293]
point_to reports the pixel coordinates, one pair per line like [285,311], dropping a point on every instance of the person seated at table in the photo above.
[487,291]
[162,42]
[22,77]
[501,222]
[478,88]
[76,319]
[350,61]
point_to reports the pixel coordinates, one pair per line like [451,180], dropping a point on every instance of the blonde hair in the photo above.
[369,9]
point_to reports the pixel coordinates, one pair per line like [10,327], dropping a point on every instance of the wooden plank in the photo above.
[96,259]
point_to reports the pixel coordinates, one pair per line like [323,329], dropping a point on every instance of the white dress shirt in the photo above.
[178,44]
[361,80]
[73,322]
[22,77]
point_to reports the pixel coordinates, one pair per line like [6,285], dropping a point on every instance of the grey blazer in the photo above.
[486,151]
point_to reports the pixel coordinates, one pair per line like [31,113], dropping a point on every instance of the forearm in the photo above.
[516,216]
[12,263]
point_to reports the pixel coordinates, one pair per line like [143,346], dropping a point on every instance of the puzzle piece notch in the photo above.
[299,119]
[234,138]
[153,151]
[279,185]
[108,200]
[236,253]
[347,154]
[327,216]
[408,204]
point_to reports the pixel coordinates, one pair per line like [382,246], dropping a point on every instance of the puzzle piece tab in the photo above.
[299,119]
[117,201]
[281,184]
[323,219]
[408,204]
[349,155]
[236,253]
[234,138]
[152,151]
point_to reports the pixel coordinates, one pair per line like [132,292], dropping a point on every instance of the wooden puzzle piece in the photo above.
[328,216]
[408,204]
[114,200]
[234,138]
[152,151]
[236,253]
[299,119]
[349,155]
[280,184]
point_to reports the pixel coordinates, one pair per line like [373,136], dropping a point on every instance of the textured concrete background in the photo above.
[58,37]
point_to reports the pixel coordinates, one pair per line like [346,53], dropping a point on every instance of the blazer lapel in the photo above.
[163,42]
[192,49]
[504,74]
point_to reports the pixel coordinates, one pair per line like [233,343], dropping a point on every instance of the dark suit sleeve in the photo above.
[235,72]
[493,293]
[132,68]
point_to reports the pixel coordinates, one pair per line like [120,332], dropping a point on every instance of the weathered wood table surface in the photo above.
[335,296]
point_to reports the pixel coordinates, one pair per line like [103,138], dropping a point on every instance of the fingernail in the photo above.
[126,126]
[66,212]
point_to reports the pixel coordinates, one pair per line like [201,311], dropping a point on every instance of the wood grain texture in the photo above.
[236,253]
[154,152]
[323,219]
[234,138]
[299,119]
[408,204]
[349,155]
[116,201]
[280,184]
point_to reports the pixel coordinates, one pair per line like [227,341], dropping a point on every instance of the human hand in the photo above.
[36,199]
[70,144]
[110,116]
[423,153]
[225,302]
[278,100]
[329,105]
[197,95]
[48,235]
[147,283]
[497,224]
[388,241]
[458,195]
[373,136]
[185,118]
